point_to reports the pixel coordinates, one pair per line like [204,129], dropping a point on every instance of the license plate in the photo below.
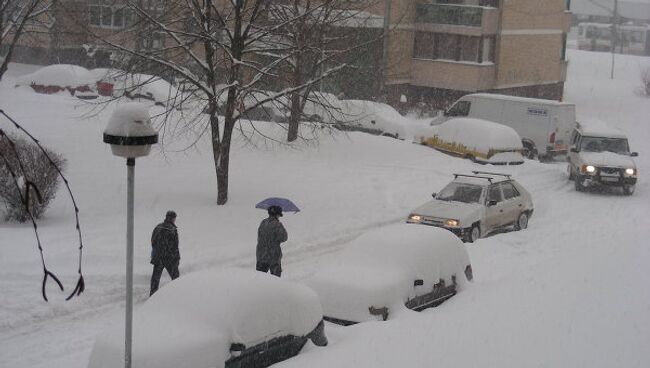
[609,178]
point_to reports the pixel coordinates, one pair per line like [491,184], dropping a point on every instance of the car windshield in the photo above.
[461,192]
[599,144]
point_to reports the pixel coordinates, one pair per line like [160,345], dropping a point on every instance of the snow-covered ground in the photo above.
[570,291]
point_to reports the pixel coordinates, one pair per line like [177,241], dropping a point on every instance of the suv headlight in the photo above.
[415,218]
[630,171]
[451,223]
[589,169]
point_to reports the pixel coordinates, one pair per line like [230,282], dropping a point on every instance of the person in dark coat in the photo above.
[270,234]
[164,250]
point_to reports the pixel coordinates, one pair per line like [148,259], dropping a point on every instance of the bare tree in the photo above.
[17,18]
[227,54]
[315,45]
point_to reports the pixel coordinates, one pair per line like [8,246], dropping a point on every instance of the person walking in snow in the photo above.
[164,250]
[270,234]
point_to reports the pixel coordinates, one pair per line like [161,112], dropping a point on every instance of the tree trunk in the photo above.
[296,106]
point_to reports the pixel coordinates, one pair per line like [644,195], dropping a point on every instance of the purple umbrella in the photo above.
[285,204]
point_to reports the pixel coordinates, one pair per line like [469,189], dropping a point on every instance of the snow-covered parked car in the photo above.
[137,86]
[59,77]
[600,155]
[478,140]
[217,318]
[371,117]
[473,206]
[391,268]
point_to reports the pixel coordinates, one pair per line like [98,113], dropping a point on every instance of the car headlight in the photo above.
[451,223]
[588,169]
[630,171]
[415,218]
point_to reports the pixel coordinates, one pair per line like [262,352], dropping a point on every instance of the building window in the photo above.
[103,14]
[423,47]
[447,46]
[444,46]
[469,48]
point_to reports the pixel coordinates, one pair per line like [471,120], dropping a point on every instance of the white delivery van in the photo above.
[545,126]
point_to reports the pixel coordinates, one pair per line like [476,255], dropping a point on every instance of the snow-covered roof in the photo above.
[379,267]
[494,96]
[192,321]
[479,135]
[598,128]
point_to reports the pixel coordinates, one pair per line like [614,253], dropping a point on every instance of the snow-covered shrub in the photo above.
[39,176]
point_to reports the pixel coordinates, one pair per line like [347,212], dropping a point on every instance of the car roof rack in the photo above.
[492,173]
[473,176]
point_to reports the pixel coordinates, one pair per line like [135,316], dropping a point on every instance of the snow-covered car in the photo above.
[371,117]
[217,318]
[391,268]
[473,206]
[600,155]
[479,140]
[58,77]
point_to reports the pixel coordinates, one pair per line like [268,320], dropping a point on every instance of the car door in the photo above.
[513,203]
[494,212]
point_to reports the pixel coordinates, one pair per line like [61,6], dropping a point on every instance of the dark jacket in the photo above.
[164,244]
[269,236]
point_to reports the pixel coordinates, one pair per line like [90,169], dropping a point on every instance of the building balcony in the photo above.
[460,19]
[463,76]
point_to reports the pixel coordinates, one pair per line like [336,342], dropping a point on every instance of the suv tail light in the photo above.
[468,273]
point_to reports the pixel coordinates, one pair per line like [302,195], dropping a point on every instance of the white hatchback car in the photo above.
[472,206]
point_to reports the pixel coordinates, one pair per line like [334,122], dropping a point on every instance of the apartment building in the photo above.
[439,50]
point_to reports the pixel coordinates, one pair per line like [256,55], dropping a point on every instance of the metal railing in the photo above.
[461,15]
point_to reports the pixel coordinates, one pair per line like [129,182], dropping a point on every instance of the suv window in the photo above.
[460,108]
[494,193]
[509,191]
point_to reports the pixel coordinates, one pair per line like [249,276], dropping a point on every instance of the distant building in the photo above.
[441,50]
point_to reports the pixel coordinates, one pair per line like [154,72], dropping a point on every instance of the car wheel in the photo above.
[473,234]
[578,183]
[628,189]
[522,221]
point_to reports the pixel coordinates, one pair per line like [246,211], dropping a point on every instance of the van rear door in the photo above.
[563,124]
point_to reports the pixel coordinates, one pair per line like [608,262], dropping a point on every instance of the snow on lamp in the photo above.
[129,131]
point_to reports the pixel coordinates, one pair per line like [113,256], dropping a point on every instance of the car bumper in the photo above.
[616,181]
[460,232]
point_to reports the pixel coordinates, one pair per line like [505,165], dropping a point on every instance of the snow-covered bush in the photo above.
[32,171]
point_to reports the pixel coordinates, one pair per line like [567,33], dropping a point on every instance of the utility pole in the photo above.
[614,34]
[384,55]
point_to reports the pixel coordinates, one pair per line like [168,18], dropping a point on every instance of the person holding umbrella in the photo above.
[270,234]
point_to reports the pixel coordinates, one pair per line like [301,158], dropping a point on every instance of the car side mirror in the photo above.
[434,194]
[492,203]
[574,149]
[634,154]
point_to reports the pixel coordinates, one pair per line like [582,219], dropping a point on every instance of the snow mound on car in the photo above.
[192,321]
[480,135]
[61,75]
[379,268]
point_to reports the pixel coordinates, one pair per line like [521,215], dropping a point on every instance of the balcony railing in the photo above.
[461,15]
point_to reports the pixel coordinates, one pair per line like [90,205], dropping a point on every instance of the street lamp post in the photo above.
[130,134]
